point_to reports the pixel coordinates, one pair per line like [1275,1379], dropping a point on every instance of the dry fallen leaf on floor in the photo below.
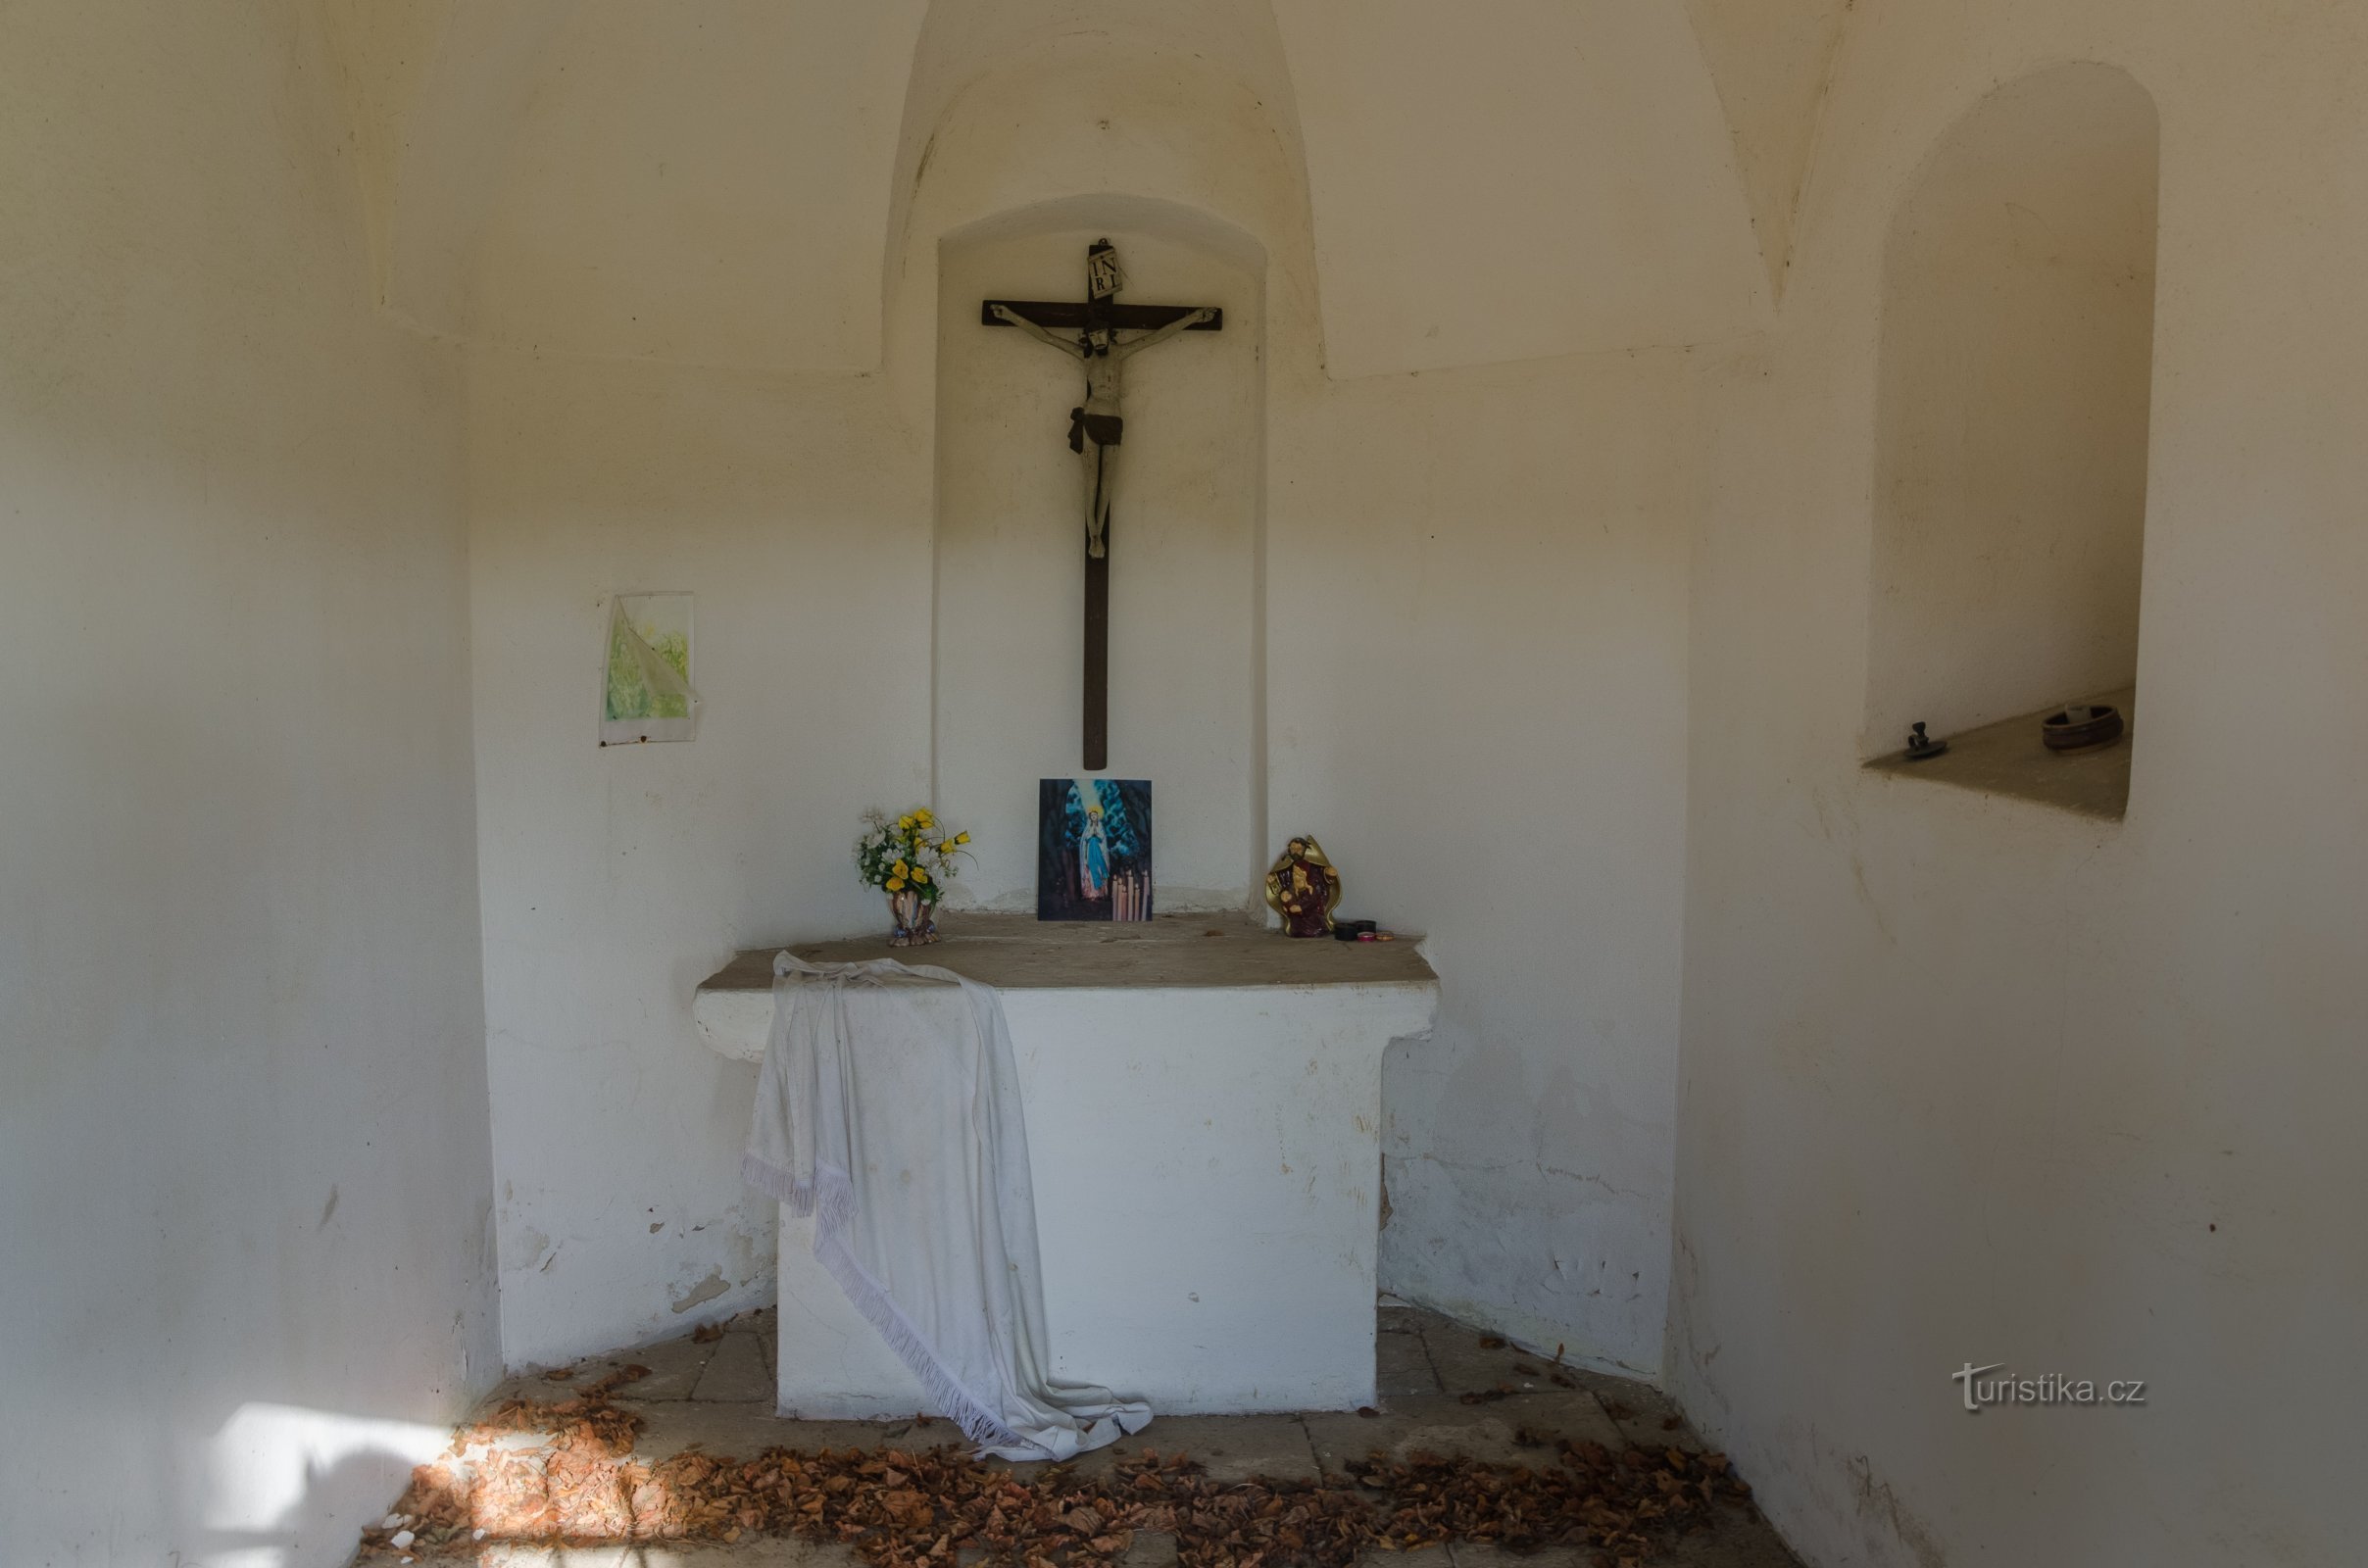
[1368,1413]
[706,1334]
[1491,1342]
[927,1508]
[1670,1423]
[1561,1380]
[1619,1411]
[560,1374]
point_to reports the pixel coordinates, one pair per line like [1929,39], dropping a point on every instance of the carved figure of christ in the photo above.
[1096,428]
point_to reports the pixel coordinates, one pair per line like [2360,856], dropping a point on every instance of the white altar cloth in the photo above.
[1206,1117]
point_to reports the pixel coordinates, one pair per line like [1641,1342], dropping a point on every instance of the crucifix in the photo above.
[1096,428]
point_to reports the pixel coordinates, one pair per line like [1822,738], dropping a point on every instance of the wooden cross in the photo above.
[1096,429]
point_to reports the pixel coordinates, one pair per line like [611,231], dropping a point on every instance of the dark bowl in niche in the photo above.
[2081,727]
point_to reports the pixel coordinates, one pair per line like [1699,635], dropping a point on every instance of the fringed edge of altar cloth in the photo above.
[830,1200]
[794,1165]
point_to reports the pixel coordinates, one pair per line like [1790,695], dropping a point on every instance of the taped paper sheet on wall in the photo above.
[646,690]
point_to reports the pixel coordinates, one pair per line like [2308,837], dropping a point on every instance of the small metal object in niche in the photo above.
[1922,747]
[2081,727]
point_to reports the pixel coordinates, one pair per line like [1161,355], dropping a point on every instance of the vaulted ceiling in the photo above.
[727,182]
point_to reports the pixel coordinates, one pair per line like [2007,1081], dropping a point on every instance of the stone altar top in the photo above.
[1174,952]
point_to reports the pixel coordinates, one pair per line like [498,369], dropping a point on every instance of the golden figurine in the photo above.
[1304,887]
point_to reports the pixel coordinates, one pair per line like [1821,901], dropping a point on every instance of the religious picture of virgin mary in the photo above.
[1093,848]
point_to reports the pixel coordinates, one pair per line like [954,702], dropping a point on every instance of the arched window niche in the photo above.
[2015,371]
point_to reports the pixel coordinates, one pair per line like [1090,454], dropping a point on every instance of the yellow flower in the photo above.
[900,868]
[961,838]
[895,884]
[920,876]
[904,821]
[923,817]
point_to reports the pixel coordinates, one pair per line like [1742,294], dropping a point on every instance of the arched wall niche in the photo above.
[1162,55]
[1176,160]
[1082,119]
[2014,398]
[1186,542]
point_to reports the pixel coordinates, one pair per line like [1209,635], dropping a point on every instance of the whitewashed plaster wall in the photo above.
[244,1178]
[707,182]
[1495,556]
[678,158]
[798,509]
[1968,1079]
[615,880]
[1477,657]
[1514,179]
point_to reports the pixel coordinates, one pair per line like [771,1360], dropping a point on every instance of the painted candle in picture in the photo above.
[1093,848]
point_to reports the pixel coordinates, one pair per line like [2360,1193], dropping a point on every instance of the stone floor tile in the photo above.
[1740,1539]
[674,1367]
[744,1431]
[1443,1424]
[1231,1447]
[1400,1319]
[765,1325]
[1487,1555]
[1402,1365]
[1576,1415]
[1645,1413]
[1151,1549]
[1467,1366]
[532,1386]
[735,1373]
[1339,1439]
[768,1553]
[504,1554]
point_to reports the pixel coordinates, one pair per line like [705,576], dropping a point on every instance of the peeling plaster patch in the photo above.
[706,1290]
[531,1248]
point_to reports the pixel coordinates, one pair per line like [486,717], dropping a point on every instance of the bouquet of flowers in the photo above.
[913,852]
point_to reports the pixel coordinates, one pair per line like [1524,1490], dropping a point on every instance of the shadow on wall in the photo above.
[2013,399]
[289,1486]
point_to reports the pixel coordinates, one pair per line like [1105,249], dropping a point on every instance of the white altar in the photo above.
[1214,1249]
